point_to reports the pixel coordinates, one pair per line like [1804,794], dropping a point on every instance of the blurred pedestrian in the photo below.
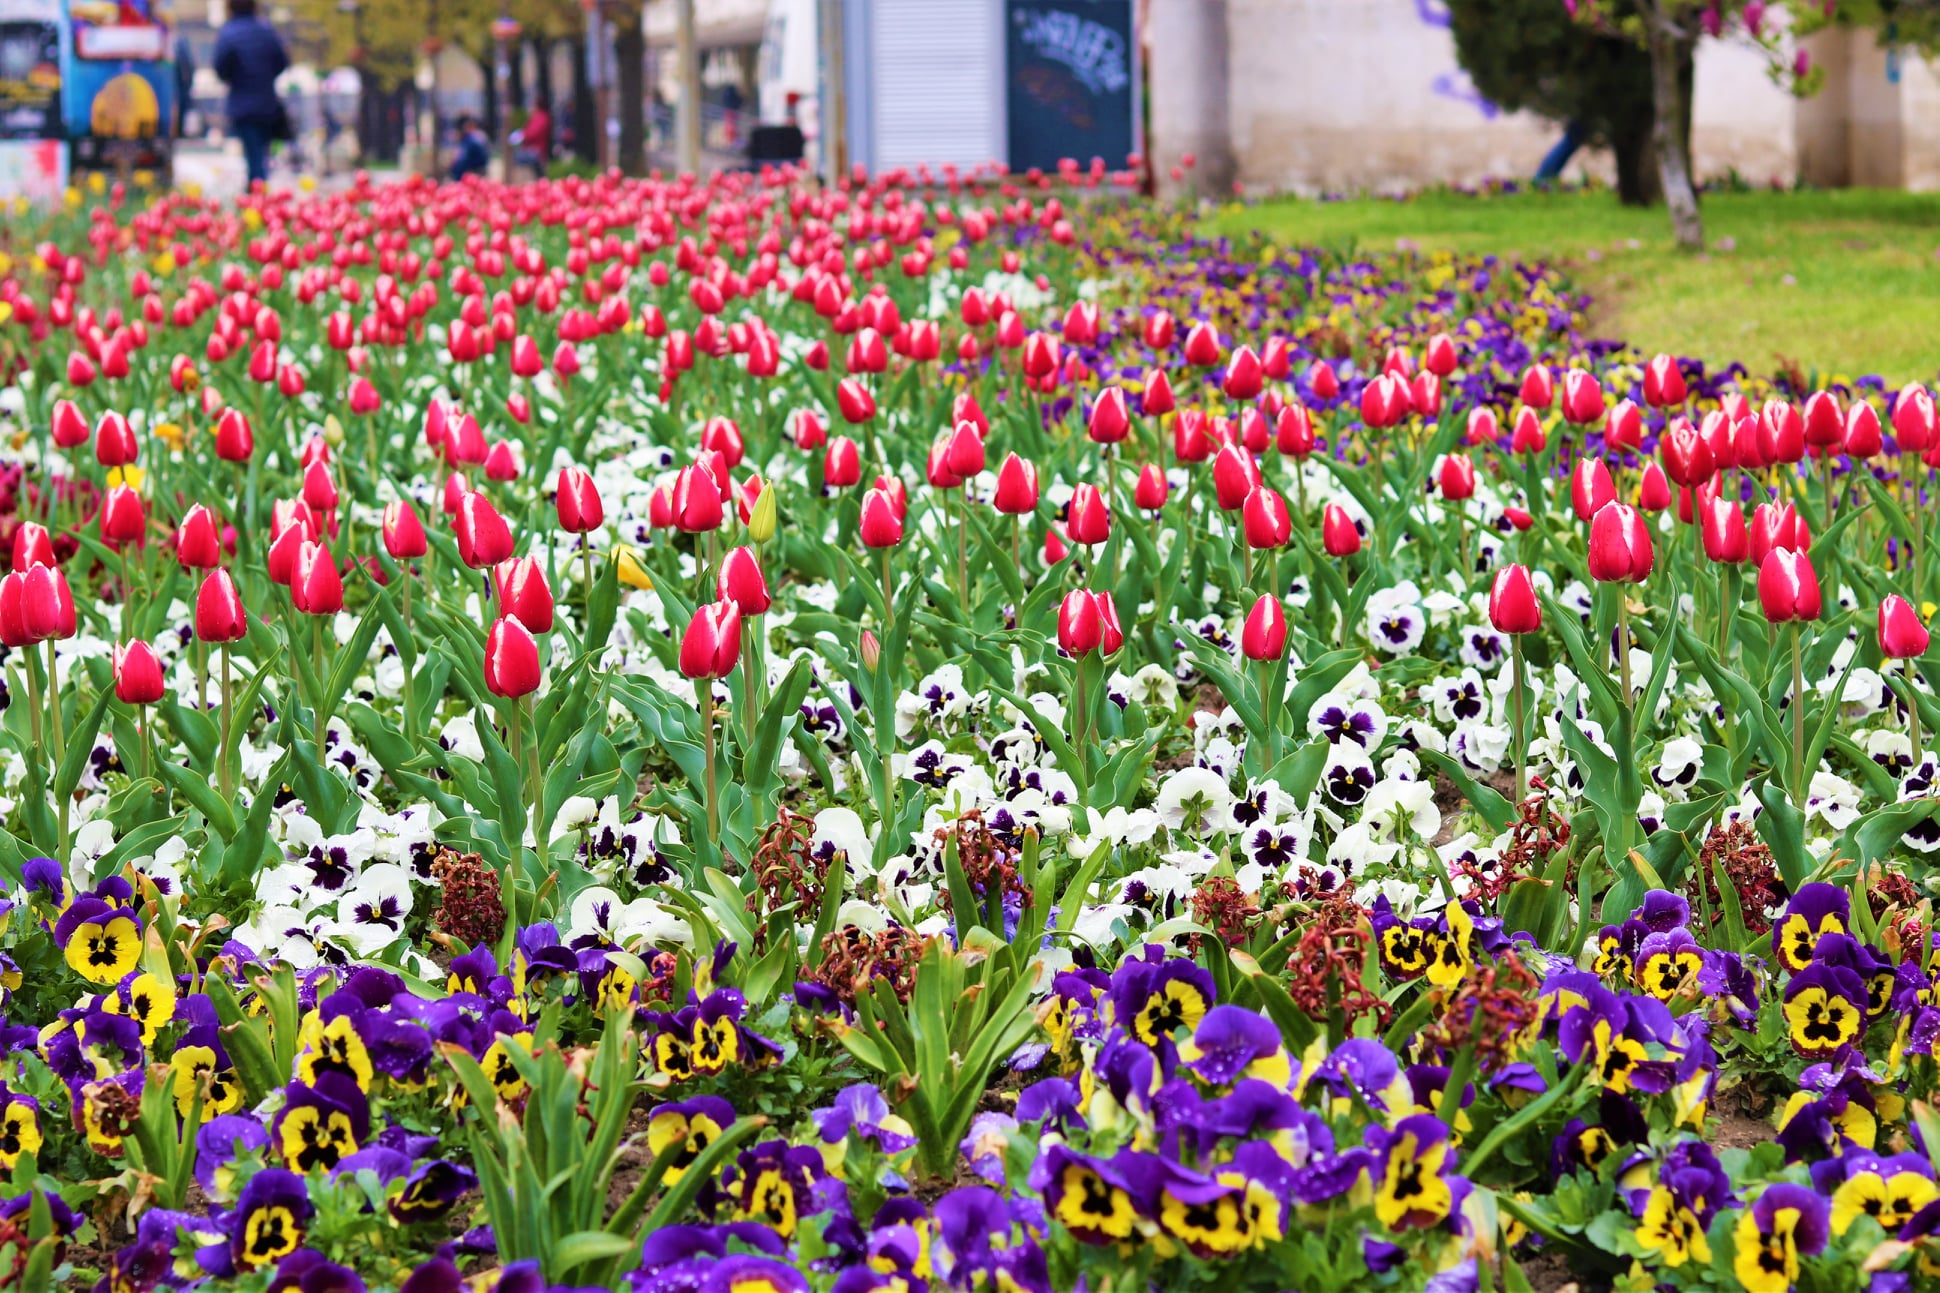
[474,150]
[249,58]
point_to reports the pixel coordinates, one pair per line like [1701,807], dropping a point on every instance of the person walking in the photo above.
[249,58]
[474,150]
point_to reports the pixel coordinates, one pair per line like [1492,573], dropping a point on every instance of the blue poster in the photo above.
[120,83]
[1072,78]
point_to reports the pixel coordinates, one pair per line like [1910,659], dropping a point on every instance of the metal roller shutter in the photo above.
[939,75]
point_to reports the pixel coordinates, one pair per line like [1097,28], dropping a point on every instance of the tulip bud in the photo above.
[1016,487]
[1913,419]
[1294,432]
[697,503]
[1582,398]
[577,501]
[1663,383]
[1457,478]
[69,428]
[1863,438]
[138,674]
[1151,491]
[1788,587]
[1080,625]
[235,442]
[1322,381]
[764,515]
[1157,399]
[1590,488]
[1440,357]
[881,523]
[1202,345]
[1624,428]
[484,539]
[1244,377]
[711,647]
[963,452]
[1264,635]
[1235,475]
[1528,437]
[511,659]
[1620,548]
[1110,420]
[1653,491]
[1538,388]
[197,546]
[315,586]
[854,401]
[403,532]
[122,518]
[1901,634]
[32,546]
[114,441]
[1338,533]
[1722,524]
[219,615]
[870,651]
[1089,516]
[1264,519]
[742,582]
[523,593]
[1483,427]
[1512,602]
[1824,424]
[1687,458]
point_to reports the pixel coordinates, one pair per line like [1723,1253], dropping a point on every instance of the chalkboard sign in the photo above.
[1072,87]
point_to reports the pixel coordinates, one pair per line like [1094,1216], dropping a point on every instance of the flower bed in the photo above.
[938,734]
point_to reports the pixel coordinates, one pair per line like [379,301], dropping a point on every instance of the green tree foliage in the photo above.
[1530,55]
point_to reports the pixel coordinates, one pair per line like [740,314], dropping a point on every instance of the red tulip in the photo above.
[1620,548]
[1158,329]
[138,674]
[1528,436]
[1191,440]
[1293,432]
[722,436]
[1439,356]
[1483,427]
[197,546]
[80,370]
[1722,523]
[711,647]
[1863,439]
[881,524]
[1151,491]
[484,539]
[808,429]
[526,361]
[511,659]
[1788,587]
[1235,475]
[964,452]
[1202,345]
[46,606]
[403,532]
[1338,533]
[1384,402]
[1653,491]
[1782,435]
[742,582]
[1016,487]
[13,627]
[1512,602]
[1824,424]
[1457,478]
[1901,634]
[315,586]
[1687,458]
[235,442]
[697,503]
[114,441]
[501,464]
[219,615]
[1322,380]
[1776,527]
[1590,488]
[70,428]
[964,408]
[1110,420]
[1538,387]
[1663,383]
[1264,520]
[842,464]
[122,519]
[1264,636]
[1157,399]
[1913,419]
[319,489]
[577,500]
[32,546]
[1425,394]
[1089,516]
[1582,397]
[857,405]
[1624,428]
[523,592]
[1081,625]
[1244,378]
[364,398]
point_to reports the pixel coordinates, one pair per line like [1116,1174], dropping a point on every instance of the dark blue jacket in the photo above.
[249,58]
[474,155]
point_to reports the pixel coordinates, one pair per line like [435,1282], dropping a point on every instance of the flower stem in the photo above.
[1522,731]
[225,776]
[54,749]
[1798,718]
[1912,713]
[707,722]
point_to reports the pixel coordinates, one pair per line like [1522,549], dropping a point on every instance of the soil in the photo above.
[1741,1119]
[1549,1272]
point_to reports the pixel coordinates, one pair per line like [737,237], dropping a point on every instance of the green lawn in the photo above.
[1843,281]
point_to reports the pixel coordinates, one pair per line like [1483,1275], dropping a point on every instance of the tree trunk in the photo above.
[630,51]
[1670,60]
[1638,181]
[585,142]
[542,74]
[488,64]
[515,77]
